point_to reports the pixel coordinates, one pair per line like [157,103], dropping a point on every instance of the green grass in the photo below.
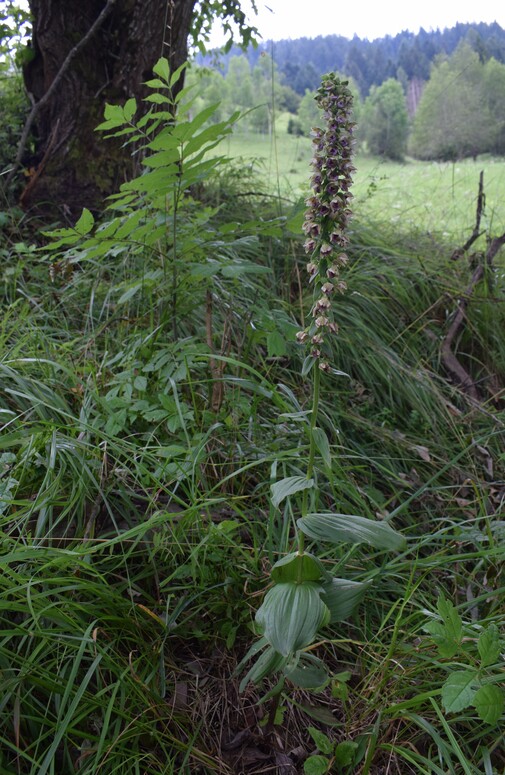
[136,526]
[436,199]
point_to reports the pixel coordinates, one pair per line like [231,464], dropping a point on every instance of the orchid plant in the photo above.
[304,597]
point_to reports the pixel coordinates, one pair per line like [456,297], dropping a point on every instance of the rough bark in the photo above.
[73,165]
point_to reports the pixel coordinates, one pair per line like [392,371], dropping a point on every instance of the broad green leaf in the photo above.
[289,486]
[113,114]
[156,98]
[323,445]
[345,753]
[347,527]
[447,634]
[291,615]
[162,69]
[489,702]
[298,567]
[129,109]
[316,765]
[140,383]
[489,645]
[156,83]
[308,672]
[321,740]
[276,345]
[85,222]
[176,74]
[342,597]
[459,690]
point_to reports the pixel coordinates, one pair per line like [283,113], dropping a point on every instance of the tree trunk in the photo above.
[73,165]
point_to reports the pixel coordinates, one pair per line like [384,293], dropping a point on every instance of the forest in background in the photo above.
[409,55]
[413,94]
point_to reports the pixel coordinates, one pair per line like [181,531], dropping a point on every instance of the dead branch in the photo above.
[448,358]
[476,233]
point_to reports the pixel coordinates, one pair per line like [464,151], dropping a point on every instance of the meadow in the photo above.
[431,198]
[158,430]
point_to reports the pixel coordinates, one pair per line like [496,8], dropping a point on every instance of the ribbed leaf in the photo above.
[298,567]
[348,527]
[323,445]
[342,597]
[269,662]
[291,615]
[307,672]
[289,486]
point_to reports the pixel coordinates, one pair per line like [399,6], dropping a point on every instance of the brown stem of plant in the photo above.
[216,367]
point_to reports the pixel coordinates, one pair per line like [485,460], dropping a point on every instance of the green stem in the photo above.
[312,448]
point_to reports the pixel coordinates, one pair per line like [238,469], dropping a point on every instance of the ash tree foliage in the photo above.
[462,110]
[384,120]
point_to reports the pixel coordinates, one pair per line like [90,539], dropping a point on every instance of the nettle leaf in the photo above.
[289,486]
[321,740]
[291,615]
[459,690]
[308,672]
[489,702]
[347,527]
[489,645]
[342,597]
[345,753]
[447,634]
[298,567]
[316,765]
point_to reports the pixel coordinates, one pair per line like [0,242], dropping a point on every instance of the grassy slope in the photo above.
[135,541]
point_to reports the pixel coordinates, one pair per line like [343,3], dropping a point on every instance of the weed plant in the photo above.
[152,400]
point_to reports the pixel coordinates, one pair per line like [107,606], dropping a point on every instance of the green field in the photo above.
[433,198]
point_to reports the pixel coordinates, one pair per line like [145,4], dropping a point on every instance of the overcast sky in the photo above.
[278,19]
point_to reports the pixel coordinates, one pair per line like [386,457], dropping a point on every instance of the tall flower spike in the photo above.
[328,212]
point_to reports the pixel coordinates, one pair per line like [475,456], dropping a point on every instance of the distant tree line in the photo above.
[406,55]
[441,97]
